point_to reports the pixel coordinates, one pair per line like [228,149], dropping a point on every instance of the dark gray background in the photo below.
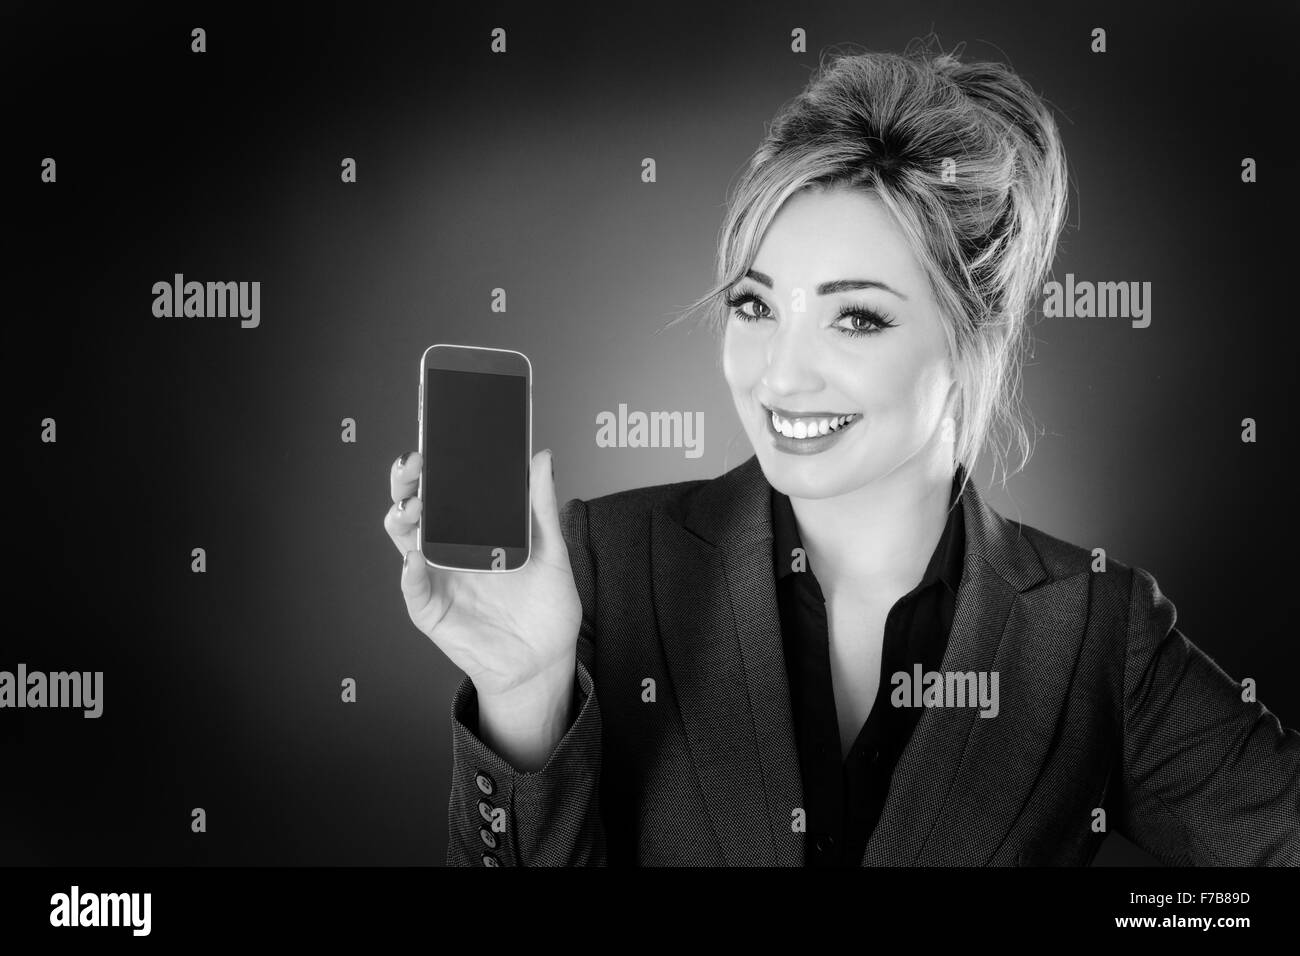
[523,171]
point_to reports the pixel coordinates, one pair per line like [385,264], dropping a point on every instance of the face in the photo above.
[835,330]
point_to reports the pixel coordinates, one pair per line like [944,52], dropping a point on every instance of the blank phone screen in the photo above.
[476,453]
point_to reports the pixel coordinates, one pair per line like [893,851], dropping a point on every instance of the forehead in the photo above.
[819,235]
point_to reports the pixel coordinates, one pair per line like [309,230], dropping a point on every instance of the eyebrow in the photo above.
[831,288]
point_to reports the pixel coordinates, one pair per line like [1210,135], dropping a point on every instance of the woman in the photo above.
[837,653]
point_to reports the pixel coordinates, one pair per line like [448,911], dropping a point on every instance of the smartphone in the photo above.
[476,447]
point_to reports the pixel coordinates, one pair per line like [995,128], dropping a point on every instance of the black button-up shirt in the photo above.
[843,797]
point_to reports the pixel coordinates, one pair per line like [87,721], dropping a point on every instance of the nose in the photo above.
[792,362]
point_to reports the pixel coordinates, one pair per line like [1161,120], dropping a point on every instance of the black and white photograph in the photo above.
[726,438]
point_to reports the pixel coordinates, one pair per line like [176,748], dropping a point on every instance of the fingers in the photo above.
[405,480]
[402,525]
[403,518]
[548,542]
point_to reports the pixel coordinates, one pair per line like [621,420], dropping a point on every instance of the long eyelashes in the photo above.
[878,320]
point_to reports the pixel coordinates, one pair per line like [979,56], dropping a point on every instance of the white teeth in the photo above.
[809,427]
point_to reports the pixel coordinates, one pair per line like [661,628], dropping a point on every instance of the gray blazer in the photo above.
[1103,704]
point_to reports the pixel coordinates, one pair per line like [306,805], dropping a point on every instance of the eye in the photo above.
[866,321]
[736,300]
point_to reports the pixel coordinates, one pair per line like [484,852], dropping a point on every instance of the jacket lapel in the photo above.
[715,599]
[962,780]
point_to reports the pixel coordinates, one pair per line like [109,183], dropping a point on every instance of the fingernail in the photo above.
[550,456]
[401,505]
[406,560]
[401,462]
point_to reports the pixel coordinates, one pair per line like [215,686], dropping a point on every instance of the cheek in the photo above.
[903,387]
[883,383]
[728,359]
[741,359]
[930,384]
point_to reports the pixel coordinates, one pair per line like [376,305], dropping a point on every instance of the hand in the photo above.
[514,633]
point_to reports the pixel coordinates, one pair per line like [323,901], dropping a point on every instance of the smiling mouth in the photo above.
[809,426]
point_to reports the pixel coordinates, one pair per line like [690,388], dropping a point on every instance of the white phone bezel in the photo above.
[528,479]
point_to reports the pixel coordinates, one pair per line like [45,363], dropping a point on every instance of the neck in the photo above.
[877,540]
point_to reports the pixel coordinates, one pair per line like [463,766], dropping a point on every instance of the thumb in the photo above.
[548,542]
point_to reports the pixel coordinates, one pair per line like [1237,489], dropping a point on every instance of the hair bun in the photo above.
[928,48]
[947,62]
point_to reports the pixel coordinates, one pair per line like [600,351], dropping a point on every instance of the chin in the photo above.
[809,478]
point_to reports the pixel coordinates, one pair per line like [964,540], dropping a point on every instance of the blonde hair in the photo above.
[968,160]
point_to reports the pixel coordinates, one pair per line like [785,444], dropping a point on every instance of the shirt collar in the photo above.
[945,563]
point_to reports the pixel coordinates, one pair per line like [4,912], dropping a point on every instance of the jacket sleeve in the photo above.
[498,816]
[1209,779]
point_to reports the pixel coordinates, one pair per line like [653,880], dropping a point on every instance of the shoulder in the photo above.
[1060,558]
[1118,591]
[622,511]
